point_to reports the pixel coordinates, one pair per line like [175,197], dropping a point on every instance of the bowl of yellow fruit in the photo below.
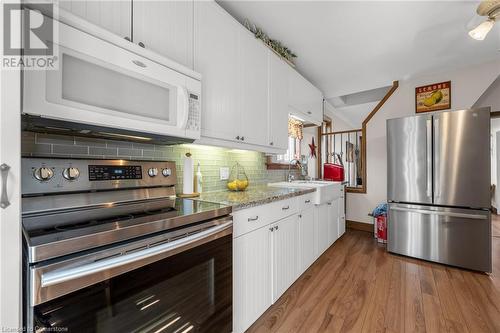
[238,180]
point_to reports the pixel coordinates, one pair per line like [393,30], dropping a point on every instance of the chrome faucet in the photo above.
[294,162]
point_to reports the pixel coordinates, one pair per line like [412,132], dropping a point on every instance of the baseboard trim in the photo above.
[360,226]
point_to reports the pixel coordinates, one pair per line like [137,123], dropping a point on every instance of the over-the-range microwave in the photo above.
[102,89]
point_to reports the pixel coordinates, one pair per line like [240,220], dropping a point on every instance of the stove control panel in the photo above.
[51,175]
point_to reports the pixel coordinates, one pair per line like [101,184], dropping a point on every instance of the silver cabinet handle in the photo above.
[127,38]
[253,218]
[4,199]
[238,137]
[276,228]
[242,138]
[271,229]
[307,201]
[440,213]
[285,208]
[271,143]
[300,216]
[309,112]
[141,44]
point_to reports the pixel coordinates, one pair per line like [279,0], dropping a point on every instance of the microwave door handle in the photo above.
[183,107]
[62,281]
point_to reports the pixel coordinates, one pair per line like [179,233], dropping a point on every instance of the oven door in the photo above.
[181,285]
[101,84]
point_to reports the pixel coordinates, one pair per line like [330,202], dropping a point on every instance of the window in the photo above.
[292,153]
[295,135]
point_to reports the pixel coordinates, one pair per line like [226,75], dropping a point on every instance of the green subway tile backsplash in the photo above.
[210,158]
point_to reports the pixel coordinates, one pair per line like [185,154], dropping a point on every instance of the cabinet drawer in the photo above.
[305,201]
[253,218]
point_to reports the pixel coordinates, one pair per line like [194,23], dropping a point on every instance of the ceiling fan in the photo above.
[490,9]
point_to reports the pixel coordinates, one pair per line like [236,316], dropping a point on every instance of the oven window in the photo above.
[189,292]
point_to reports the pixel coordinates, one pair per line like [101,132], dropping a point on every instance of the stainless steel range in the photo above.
[108,247]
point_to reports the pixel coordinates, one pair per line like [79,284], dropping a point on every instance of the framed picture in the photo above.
[433,97]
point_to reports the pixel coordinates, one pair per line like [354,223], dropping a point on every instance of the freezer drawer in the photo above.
[457,237]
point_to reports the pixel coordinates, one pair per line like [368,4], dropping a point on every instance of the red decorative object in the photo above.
[312,147]
[333,172]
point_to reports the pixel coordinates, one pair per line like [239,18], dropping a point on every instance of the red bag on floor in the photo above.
[382,229]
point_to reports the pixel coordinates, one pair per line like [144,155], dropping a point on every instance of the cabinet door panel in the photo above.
[252,293]
[284,244]
[278,105]
[333,223]
[115,16]
[166,27]
[216,58]
[306,237]
[254,65]
[323,239]
[341,216]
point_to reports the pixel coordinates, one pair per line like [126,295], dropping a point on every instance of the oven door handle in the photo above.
[52,284]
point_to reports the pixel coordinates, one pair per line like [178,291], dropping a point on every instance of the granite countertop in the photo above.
[253,196]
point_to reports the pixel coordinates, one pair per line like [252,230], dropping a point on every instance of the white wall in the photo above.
[339,123]
[355,114]
[491,97]
[467,86]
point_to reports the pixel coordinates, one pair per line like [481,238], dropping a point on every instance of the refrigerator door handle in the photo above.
[441,213]
[437,156]
[429,157]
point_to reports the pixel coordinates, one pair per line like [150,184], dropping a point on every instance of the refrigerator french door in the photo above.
[438,187]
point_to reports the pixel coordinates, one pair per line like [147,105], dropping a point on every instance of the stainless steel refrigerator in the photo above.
[438,171]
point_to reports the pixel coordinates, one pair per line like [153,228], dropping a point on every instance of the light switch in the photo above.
[224,173]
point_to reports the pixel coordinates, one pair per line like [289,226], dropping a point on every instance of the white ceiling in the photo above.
[352,46]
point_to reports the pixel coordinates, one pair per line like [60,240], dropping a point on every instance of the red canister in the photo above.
[382,229]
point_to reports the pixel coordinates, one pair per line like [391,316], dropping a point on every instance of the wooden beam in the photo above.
[341,132]
[364,163]
[319,156]
[495,114]
[395,86]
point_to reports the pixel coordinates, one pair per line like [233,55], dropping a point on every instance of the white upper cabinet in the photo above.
[305,100]
[165,27]
[216,58]
[254,68]
[115,16]
[278,102]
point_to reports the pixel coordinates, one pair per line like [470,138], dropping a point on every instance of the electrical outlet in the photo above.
[224,173]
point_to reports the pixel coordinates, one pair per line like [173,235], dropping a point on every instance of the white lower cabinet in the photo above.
[342,215]
[273,245]
[284,242]
[333,221]
[323,239]
[252,282]
[307,250]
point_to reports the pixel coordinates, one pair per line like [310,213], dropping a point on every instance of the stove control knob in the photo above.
[166,172]
[152,172]
[71,173]
[43,174]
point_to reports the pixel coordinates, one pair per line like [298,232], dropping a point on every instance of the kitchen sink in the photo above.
[325,191]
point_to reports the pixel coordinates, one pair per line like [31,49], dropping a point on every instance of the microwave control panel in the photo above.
[194,117]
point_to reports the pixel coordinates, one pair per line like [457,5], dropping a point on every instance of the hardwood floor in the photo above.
[356,286]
